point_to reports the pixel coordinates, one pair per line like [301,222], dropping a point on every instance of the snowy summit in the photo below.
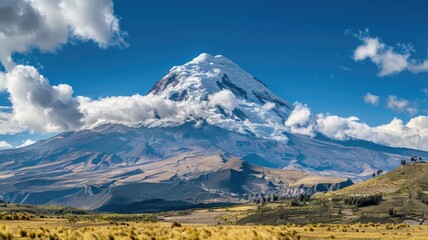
[225,95]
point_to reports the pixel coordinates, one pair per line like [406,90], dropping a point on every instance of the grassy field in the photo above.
[53,228]
[392,206]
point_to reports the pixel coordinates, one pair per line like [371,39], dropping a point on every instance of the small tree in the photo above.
[391,212]
[275,197]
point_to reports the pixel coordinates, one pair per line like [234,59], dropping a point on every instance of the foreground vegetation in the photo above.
[391,206]
[62,229]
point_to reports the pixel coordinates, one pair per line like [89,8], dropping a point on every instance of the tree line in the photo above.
[412,160]
[363,201]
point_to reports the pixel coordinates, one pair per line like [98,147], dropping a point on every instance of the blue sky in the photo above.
[303,50]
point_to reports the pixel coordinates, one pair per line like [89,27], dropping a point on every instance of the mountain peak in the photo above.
[206,75]
[231,97]
[203,57]
[206,58]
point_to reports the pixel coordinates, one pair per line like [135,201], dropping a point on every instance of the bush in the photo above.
[363,201]
[23,233]
[304,198]
[392,212]
[175,224]
[6,236]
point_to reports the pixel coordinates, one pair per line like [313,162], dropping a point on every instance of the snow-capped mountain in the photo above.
[228,115]
[228,96]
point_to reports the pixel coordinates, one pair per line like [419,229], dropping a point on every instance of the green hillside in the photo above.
[395,197]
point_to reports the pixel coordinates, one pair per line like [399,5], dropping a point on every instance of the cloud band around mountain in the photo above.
[40,107]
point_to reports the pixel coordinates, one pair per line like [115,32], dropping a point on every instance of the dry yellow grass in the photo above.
[61,229]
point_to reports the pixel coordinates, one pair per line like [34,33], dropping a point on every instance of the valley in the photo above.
[400,212]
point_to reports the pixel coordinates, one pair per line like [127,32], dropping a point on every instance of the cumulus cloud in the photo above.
[397,133]
[46,25]
[129,110]
[397,104]
[299,116]
[299,120]
[153,109]
[4,145]
[400,105]
[2,82]
[389,60]
[334,126]
[92,20]
[26,143]
[371,99]
[225,99]
[39,106]
[8,125]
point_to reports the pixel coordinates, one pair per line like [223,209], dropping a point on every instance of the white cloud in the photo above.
[299,120]
[389,60]
[2,82]
[335,127]
[424,91]
[371,99]
[268,106]
[39,106]
[400,105]
[128,110]
[413,134]
[8,125]
[397,104]
[344,68]
[299,116]
[369,49]
[224,98]
[5,145]
[417,67]
[47,24]
[26,143]
[92,20]
[412,110]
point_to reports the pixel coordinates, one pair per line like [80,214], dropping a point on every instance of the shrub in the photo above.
[23,233]
[391,212]
[6,235]
[363,201]
[175,224]
[32,235]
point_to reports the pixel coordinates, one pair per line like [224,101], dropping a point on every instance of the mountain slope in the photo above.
[398,196]
[229,113]
[404,193]
[410,180]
